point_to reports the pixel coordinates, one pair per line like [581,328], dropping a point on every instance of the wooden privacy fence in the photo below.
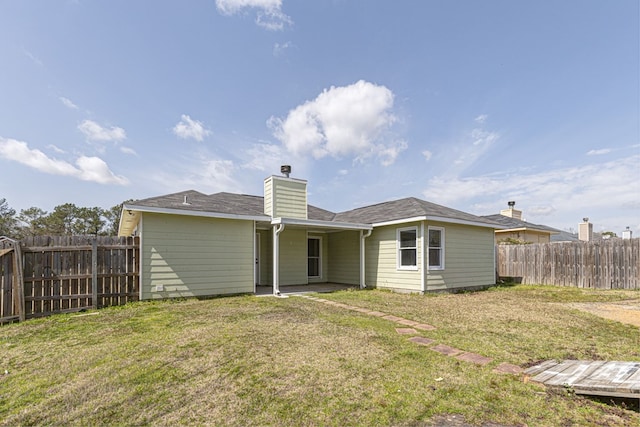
[43,275]
[604,264]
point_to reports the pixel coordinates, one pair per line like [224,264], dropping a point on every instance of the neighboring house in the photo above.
[192,244]
[516,230]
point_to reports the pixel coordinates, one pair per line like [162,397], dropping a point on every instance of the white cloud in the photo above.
[269,13]
[96,170]
[481,118]
[189,128]
[264,157]
[94,132]
[56,149]
[575,191]
[389,153]
[87,168]
[598,152]
[32,57]
[427,155]
[279,49]
[68,103]
[128,150]
[341,121]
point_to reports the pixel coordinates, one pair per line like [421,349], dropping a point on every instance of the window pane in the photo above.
[435,237]
[408,239]
[408,257]
[434,257]
[313,267]
[314,247]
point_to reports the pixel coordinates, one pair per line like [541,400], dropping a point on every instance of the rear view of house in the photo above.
[193,244]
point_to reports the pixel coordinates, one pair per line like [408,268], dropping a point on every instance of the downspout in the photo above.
[276,258]
[362,257]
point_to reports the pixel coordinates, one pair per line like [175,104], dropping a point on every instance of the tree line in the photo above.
[66,219]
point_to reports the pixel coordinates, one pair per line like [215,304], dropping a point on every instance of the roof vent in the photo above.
[285,170]
[511,204]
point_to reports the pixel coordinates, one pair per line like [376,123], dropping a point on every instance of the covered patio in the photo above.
[267,290]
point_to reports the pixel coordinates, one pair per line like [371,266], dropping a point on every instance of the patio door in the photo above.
[256,256]
[314,261]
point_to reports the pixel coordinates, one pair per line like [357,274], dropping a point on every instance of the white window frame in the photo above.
[399,249]
[441,247]
[319,239]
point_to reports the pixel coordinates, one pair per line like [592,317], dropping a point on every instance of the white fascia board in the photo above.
[322,224]
[537,230]
[196,213]
[438,219]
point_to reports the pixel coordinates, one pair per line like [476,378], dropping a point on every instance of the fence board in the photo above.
[605,264]
[70,273]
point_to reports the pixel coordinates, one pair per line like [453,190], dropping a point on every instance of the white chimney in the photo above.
[585,230]
[512,212]
[626,234]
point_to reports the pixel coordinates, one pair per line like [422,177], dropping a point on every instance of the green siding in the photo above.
[287,197]
[293,257]
[381,261]
[344,257]
[193,256]
[469,258]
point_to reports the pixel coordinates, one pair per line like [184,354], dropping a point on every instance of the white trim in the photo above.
[322,224]
[319,239]
[256,254]
[141,256]
[276,258]
[399,265]
[442,252]
[422,259]
[438,219]
[363,272]
[196,213]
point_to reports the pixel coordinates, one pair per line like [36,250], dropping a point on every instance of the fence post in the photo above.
[94,273]
[19,279]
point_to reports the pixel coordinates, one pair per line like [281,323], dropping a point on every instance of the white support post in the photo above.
[362,257]
[277,229]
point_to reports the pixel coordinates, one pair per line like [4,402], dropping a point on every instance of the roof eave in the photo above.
[187,212]
[439,219]
[321,224]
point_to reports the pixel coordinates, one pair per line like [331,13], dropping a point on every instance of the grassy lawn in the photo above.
[267,361]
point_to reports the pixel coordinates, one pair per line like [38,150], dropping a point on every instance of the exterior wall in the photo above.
[293,257]
[525,235]
[381,269]
[469,258]
[285,197]
[344,257]
[192,256]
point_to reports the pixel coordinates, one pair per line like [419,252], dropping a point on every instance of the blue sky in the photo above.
[464,103]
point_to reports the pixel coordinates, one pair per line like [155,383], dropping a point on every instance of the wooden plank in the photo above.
[613,378]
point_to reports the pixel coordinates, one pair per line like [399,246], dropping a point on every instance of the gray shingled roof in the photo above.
[516,223]
[242,204]
[226,203]
[406,208]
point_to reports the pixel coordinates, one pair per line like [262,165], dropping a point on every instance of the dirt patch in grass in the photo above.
[622,311]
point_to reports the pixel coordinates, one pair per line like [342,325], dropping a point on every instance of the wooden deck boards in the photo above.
[619,379]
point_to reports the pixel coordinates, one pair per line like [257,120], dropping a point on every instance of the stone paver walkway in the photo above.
[410,327]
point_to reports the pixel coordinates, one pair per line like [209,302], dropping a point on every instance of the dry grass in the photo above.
[266,361]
